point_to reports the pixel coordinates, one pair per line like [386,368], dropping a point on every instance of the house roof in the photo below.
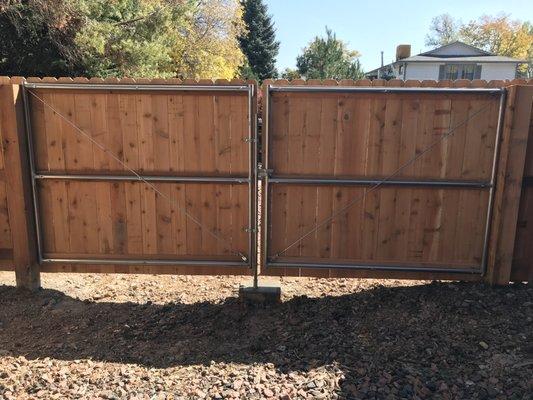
[446,54]
[457,44]
[479,59]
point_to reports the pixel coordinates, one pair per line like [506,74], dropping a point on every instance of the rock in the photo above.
[484,345]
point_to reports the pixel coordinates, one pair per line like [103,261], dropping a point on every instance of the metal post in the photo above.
[28,130]
[266,164]
[499,129]
[252,188]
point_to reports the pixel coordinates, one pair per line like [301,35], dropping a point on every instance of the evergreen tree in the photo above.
[329,58]
[258,43]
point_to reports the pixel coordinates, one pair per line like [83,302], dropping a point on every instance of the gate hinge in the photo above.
[250,230]
[263,173]
[249,140]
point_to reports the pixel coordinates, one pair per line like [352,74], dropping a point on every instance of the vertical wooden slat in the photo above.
[17,179]
[509,183]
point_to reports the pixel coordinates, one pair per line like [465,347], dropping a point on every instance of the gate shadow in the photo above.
[407,329]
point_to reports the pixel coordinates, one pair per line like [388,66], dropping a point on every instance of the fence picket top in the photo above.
[363,82]
[17,80]
[444,83]
[277,82]
[330,82]
[395,83]
[462,83]
[314,82]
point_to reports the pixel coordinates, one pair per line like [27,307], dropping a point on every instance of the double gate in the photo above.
[354,178]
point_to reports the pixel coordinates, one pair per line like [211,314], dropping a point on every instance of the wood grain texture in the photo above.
[369,135]
[509,184]
[522,266]
[154,133]
[18,187]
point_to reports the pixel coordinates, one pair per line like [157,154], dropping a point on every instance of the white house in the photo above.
[456,60]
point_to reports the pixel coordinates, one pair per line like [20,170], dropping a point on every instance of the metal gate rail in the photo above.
[249,260]
[268,177]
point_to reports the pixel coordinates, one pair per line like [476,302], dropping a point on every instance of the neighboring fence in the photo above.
[522,269]
[160,177]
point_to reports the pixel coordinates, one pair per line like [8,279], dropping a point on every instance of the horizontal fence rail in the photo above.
[372,182]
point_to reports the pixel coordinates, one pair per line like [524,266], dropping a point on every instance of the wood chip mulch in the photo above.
[168,337]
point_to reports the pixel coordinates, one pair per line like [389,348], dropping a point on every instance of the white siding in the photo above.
[498,71]
[422,71]
[489,71]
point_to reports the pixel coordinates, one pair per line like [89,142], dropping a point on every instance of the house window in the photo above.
[460,71]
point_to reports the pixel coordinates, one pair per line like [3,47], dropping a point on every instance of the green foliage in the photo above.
[290,74]
[138,38]
[38,38]
[496,34]
[258,42]
[329,58]
[208,43]
[129,37]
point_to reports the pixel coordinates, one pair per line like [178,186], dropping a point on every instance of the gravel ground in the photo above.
[168,337]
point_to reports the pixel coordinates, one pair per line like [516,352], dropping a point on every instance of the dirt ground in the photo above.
[168,337]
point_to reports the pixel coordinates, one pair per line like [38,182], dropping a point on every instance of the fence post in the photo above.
[18,186]
[509,184]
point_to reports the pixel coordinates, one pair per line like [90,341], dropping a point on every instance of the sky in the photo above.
[372,26]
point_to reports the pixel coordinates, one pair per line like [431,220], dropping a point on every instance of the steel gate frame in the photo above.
[249,261]
[268,177]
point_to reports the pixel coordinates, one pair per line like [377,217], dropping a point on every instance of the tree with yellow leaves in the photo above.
[148,38]
[497,34]
[208,44]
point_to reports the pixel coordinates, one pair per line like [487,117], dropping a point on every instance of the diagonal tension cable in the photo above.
[381,182]
[183,210]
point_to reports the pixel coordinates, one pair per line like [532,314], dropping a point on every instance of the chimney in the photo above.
[403,51]
[382,58]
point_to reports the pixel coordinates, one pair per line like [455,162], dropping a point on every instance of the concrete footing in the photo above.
[261,295]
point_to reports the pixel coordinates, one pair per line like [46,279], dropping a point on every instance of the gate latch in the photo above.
[264,173]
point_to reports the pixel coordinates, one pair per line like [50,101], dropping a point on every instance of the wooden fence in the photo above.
[522,266]
[91,206]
